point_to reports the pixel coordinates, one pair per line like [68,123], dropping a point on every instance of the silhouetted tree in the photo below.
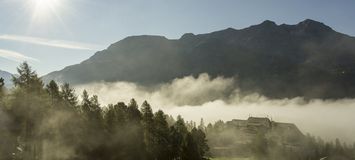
[68,95]
[29,106]
[53,91]
[27,79]
[148,127]
[200,139]
[2,84]
[161,142]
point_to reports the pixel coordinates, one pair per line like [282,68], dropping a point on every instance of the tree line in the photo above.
[42,122]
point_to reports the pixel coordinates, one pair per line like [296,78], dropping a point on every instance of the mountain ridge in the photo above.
[308,59]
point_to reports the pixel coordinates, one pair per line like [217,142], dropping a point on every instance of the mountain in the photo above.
[7,78]
[308,59]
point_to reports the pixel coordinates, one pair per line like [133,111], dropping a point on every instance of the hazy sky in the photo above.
[51,34]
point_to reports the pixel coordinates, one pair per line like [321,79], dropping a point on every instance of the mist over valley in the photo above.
[262,90]
[218,98]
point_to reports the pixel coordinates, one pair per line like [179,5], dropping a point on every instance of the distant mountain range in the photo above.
[308,59]
[7,78]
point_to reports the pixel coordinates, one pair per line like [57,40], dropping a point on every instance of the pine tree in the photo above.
[134,115]
[30,107]
[178,133]
[202,126]
[94,127]
[85,103]
[147,115]
[2,84]
[121,111]
[7,140]
[200,139]
[162,149]
[190,149]
[148,127]
[136,147]
[68,95]
[27,79]
[110,119]
[53,91]
[91,109]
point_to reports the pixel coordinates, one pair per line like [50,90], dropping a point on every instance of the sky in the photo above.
[52,34]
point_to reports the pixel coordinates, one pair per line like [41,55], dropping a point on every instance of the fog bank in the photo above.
[219,99]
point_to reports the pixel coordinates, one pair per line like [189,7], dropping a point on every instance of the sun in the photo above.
[42,4]
[43,13]
[44,7]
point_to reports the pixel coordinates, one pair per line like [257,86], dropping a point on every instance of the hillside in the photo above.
[308,59]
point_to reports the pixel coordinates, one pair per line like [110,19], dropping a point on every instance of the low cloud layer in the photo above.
[219,99]
[184,91]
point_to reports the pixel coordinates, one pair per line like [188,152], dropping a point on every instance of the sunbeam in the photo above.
[42,7]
